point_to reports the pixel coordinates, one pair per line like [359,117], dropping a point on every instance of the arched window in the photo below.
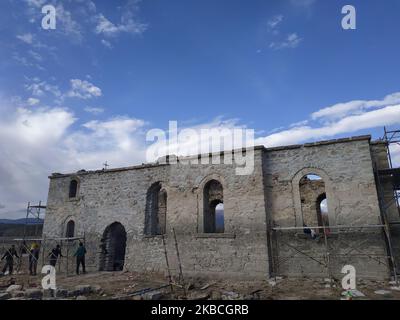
[314,202]
[70,231]
[213,207]
[73,188]
[156,210]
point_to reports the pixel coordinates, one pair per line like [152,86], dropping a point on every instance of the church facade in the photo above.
[305,210]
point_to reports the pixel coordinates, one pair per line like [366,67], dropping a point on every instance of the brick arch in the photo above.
[214,176]
[296,196]
[199,190]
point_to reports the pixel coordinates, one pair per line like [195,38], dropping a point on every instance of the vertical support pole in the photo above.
[67,256]
[270,251]
[59,260]
[393,262]
[167,262]
[26,219]
[43,247]
[180,264]
[276,260]
[328,258]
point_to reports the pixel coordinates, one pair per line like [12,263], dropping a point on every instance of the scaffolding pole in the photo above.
[328,254]
[45,246]
[167,262]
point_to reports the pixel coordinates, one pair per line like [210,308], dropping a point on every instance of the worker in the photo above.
[309,231]
[80,257]
[54,254]
[33,258]
[103,246]
[9,256]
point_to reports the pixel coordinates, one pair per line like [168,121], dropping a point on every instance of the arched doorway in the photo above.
[113,246]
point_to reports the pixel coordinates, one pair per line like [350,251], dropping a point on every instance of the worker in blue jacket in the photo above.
[80,257]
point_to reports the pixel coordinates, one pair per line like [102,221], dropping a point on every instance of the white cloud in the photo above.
[35,3]
[275,21]
[29,153]
[73,21]
[106,44]
[39,88]
[94,111]
[119,141]
[129,22]
[21,60]
[83,89]
[395,154]
[377,118]
[109,29]
[33,101]
[31,39]
[303,3]
[299,124]
[67,25]
[27,38]
[35,55]
[292,41]
[355,107]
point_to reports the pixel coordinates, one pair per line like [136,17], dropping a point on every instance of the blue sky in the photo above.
[88,91]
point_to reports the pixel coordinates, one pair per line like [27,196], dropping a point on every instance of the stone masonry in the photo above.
[248,247]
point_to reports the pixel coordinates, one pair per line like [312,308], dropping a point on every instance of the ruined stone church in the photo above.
[306,210]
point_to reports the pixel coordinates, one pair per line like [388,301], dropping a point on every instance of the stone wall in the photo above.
[120,196]
[253,204]
[346,167]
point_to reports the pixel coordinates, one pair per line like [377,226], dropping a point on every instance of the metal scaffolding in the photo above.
[392,173]
[387,200]
[327,258]
[388,186]
[24,244]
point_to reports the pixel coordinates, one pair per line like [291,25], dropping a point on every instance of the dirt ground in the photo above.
[130,285]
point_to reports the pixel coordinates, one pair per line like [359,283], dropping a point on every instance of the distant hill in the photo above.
[30,221]
[17,228]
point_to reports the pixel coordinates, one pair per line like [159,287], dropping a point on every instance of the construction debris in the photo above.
[383,292]
[353,293]
[207,286]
